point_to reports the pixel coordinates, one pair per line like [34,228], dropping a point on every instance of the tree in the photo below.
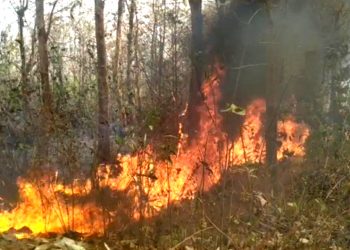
[103,146]
[130,53]
[197,64]
[47,96]
[274,76]
[116,67]
[24,72]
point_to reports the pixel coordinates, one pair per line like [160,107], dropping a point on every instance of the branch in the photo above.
[249,66]
[189,237]
[50,19]
[220,231]
[30,64]
[334,187]
[26,7]
[252,17]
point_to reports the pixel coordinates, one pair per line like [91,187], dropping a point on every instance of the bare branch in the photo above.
[189,237]
[30,63]
[249,66]
[220,231]
[50,19]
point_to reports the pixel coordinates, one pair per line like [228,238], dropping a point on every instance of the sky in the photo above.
[9,18]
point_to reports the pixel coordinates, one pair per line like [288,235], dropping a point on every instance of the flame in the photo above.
[250,146]
[50,206]
[42,208]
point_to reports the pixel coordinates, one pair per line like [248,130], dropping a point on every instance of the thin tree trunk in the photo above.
[272,83]
[130,90]
[103,145]
[24,75]
[175,55]
[46,112]
[273,79]
[197,65]
[137,66]
[117,52]
[161,50]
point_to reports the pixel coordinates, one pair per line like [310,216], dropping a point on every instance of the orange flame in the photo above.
[42,209]
[154,185]
[250,146]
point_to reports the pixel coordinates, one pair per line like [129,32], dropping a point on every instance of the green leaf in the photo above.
[234,109]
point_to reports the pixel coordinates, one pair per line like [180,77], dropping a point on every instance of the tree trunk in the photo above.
[24,75]
[130,91]
[117,52]
[46,112]
[273,79]
[197,65]
[175,55]
[103,145]
[137,66]
[162,35]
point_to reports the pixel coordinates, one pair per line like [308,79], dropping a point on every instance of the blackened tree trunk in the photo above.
[273,79]
[103,144]
[47,99]
[272,83]
[197,65]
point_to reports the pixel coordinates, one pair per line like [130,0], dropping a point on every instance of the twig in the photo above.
[220,231]
[189,237]
[334,187]
[254,15]
[249,66]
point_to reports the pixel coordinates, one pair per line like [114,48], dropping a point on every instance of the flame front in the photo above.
[42,208]
[49,206]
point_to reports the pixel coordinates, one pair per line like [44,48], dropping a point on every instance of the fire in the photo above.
[50,206]
[250,145]
[42,208]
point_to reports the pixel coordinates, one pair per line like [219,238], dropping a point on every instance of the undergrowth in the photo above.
[307,209]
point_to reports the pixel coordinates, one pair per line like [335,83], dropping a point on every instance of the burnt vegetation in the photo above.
[216,124]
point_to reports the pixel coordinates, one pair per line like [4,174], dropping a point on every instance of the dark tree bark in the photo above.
[272,85]
[197,65]
[103,145]
[47,107]
[273,79]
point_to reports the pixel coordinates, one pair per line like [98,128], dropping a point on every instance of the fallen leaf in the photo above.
[69,244]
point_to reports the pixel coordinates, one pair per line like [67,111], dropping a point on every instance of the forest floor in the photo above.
[306,207]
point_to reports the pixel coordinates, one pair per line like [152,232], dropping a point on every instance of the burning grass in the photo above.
[49,206]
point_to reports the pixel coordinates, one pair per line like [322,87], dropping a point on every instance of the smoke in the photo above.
[240,38]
